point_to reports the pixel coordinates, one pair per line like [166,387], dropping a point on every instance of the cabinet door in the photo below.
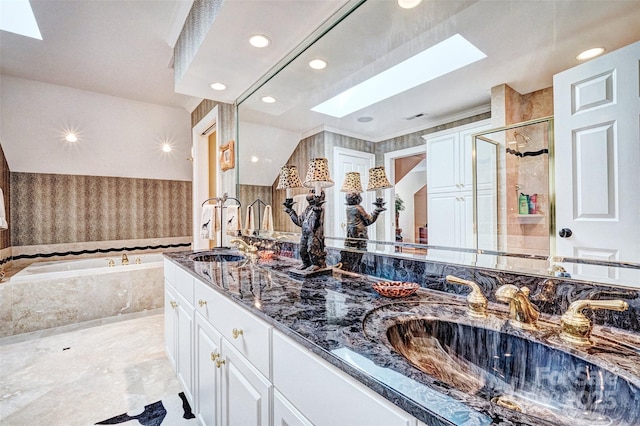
[443,163]
[285,414]
[207,374]
[170,324]
[245,393]
[184,350]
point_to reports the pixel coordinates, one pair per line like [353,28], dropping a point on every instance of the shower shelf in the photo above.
[530,217]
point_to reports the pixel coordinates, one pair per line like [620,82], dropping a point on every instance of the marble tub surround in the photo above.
[42,303]
[551,295]
[330,316]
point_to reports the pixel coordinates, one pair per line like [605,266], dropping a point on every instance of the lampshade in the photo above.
[352,182]
[289,178]
[378,179]
[318,174]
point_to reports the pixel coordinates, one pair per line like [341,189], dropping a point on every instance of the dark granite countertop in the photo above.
[342,319]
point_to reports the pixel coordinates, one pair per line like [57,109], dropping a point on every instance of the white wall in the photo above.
[118,137]
[270,145]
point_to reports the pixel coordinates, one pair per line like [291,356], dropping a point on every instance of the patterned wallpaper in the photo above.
[5,184]
[53,209]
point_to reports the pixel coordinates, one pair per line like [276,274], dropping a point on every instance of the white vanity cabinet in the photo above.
[247,374]
[318,393]
[179,312]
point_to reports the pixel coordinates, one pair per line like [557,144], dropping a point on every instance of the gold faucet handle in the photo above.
[476,300]
[576,327]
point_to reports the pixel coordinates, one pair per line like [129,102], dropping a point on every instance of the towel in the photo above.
[249,225]
[210,223]
[267,219]
[3,213]
[300,203]
[233,219]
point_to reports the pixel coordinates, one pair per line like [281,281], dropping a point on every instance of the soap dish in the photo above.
[395,288]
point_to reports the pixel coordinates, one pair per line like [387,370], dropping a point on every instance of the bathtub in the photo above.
[46,295]
[90,266]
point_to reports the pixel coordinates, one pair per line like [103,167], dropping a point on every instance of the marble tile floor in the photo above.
[85,376]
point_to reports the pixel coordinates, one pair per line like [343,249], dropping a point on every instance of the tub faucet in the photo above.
[243,246]
[576,327]
[522,313]
[125,259]
[475,300]
[111,263]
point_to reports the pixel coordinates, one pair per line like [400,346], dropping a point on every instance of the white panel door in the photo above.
[348,160]
[597,152]
[443,159]
[245,395]
[207,374]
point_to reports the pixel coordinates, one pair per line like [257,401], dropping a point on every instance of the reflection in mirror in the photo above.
[424,136]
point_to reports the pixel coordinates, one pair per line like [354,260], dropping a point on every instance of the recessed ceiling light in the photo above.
[166,147]
[408,4]
[259,40]
[318,64]
[218,86]
[268,99]
[445,57]
[365,119]
[254,159]
[71,137]
[590,53]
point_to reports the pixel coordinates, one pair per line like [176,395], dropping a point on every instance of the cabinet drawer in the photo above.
[184,284]
[311,384]
[253,336]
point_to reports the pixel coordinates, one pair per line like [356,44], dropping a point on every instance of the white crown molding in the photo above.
[192,104]
[178,17]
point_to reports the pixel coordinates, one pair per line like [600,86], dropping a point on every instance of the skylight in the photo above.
[16,16]
[445,57]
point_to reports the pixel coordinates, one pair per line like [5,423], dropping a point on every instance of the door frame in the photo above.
[338,197]
[200,158]
[390,194]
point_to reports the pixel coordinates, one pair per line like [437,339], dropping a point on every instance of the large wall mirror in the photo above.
[455,100]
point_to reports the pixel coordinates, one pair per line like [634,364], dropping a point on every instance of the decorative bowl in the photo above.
[265,254]
[395,288]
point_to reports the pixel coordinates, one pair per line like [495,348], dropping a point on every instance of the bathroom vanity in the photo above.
[253,345]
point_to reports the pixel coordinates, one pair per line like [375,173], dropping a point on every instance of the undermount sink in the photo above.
[525,374]
[217,257]
[517,373]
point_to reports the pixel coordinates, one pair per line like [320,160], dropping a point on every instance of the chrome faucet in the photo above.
[576,327]
[243,246]
[522,313]
[125,259]
[475,300]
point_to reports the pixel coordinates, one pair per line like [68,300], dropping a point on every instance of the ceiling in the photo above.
[124,48]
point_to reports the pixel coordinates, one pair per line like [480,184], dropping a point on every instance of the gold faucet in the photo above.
[243,246]
[475,300]
[576,327]
[111,263]
[125,259]
[522,313]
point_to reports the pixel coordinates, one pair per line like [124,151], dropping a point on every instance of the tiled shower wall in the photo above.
[56,209]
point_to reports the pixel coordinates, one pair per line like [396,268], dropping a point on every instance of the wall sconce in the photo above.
[289,179]
[377,182]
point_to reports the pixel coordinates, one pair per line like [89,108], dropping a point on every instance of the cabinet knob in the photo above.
[220,363]
[214,356]
[237,332]
[202,302]
[173,304]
